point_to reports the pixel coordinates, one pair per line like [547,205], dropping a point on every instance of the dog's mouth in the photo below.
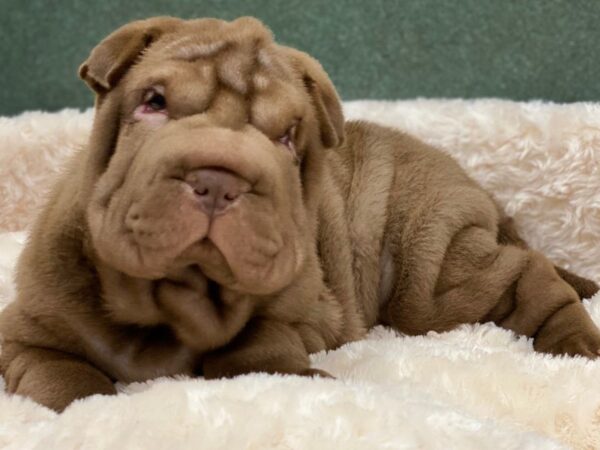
[211,219]
[252,272]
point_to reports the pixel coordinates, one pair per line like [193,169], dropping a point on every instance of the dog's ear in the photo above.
[324,96]
[111,58]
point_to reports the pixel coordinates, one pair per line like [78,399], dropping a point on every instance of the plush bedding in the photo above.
[476,387]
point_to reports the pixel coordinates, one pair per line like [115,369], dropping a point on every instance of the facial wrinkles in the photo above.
[187,50]
[243,75]
[114,176]
[107,213]
[110,192]
[234,62]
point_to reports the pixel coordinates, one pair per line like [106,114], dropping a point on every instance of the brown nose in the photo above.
[216,189]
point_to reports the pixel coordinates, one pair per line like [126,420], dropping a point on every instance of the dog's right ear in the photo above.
[113,56]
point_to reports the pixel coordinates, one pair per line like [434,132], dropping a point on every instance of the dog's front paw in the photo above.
[52,378]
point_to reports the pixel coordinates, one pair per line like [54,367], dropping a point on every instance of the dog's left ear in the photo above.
[324,96]
[113,56]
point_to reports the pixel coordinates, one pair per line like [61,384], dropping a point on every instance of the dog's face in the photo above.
[206,137]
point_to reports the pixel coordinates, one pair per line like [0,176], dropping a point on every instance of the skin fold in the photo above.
[334,227]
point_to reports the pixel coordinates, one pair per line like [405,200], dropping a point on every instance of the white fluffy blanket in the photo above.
[477,387]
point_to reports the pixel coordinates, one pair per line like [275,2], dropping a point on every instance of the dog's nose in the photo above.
[216,189]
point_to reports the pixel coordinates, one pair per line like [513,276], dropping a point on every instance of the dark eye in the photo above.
[155,101]
[288,139]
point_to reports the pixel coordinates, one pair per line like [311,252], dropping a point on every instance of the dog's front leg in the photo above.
[51,378]
[264,346]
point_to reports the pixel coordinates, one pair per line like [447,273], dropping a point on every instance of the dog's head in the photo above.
[206,138]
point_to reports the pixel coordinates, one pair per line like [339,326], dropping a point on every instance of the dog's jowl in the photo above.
[225,219]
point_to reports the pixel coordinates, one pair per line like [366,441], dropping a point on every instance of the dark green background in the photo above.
[371,48]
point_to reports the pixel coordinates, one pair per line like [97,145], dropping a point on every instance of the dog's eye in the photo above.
[154,101]
[152,107]
[288,140]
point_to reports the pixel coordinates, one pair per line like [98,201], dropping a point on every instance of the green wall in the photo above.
[529,49]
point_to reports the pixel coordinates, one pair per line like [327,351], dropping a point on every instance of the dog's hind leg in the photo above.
[508,235]
[452,270]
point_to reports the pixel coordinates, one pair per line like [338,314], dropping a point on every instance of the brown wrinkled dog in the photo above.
[224,219]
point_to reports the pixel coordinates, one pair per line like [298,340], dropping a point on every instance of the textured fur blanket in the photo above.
[477,387]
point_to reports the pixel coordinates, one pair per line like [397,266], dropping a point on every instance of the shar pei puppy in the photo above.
[225,219]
